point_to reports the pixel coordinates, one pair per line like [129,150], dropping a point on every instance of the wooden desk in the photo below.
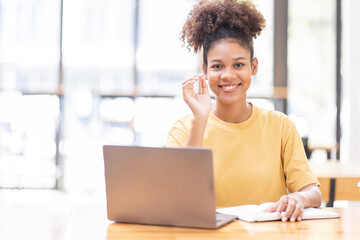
[91,223]
[338,181]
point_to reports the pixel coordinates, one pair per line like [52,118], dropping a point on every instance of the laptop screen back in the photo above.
[162,186]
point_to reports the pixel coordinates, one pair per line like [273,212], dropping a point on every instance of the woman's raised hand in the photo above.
[199,103]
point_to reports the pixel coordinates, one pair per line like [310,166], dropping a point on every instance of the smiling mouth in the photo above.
[229,87]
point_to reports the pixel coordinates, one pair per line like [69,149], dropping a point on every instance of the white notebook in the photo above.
[255,213]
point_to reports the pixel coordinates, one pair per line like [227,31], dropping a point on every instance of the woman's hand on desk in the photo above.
[293,204]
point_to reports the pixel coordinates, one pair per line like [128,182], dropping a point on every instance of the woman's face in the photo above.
[229,71]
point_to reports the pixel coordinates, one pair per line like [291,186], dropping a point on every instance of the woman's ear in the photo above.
[254,66]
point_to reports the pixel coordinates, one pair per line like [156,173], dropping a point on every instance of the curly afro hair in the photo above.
[213,20]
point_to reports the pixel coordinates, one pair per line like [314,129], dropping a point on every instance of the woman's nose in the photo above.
[227,74]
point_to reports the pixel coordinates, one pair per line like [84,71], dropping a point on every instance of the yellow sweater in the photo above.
[255,161]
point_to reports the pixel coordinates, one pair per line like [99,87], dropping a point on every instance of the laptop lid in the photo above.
[161,186]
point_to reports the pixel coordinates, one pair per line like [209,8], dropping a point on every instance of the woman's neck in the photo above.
[235,113]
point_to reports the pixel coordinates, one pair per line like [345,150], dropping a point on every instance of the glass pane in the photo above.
[27,140]
[350,73]
[29,45]
[98,45]
[98,60]
[154,118]
[311,64]
[262,83]
[161,60]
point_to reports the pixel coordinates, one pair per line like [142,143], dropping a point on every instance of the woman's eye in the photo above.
[217,66]
[239,65]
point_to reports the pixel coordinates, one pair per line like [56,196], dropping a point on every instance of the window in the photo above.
[28,126]
[312,71]
[263,81]
[121,80]
[162,63]
[29,47]
[98,46]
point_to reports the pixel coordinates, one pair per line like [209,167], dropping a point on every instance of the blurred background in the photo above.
[75,75]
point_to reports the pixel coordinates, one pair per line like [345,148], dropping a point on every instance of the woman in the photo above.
[258,154]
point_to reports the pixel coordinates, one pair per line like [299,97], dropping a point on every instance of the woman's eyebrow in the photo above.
[236,59]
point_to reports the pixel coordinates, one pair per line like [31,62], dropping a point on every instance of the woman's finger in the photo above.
[272,208]
[191,80]
[204,87]
[297,211]
[290,209]
[282,204]
[299,218]
[195,77]
[189,83]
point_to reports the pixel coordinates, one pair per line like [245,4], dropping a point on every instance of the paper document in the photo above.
[255,213]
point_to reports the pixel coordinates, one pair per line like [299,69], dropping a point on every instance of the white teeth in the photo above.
[229,87]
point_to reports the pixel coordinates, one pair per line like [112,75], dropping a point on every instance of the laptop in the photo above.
[161,186]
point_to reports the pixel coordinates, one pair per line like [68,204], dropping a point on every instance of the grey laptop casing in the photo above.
[161,186]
